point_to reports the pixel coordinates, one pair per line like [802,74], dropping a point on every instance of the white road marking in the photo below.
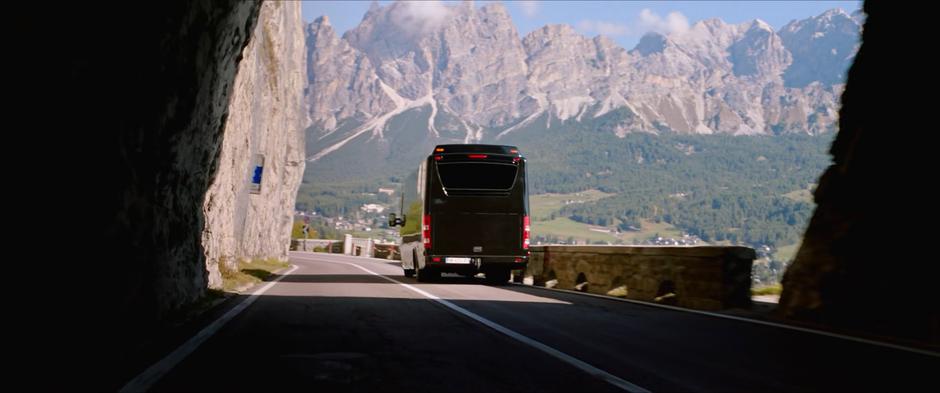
[594,371]
[742,319]
[748,320]
[146,379]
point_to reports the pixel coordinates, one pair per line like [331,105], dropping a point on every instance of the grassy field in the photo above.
[374,234]
[543,205]
[563,228]
[786,253]
[774,289]
[651,229]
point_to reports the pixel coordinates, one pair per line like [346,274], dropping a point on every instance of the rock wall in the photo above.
[481,81]
[705,278]
[148,92]
[861,266]
[267,118]
[136,98]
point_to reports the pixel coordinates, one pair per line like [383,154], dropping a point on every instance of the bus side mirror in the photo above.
[394,221]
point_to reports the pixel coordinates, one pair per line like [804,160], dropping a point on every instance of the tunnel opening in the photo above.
[156,92]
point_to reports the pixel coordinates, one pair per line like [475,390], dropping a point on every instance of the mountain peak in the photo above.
[823,46]
[494,8]
[761,25]
[605,41]
[829,14]
[710,23]
[548,33]
[320,29]
[651,42]
[458,72]
[858,16]
[558,29]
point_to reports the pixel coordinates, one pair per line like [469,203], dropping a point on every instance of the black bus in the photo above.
[465,210]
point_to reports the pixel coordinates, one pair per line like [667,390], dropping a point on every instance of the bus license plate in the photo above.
[457,260]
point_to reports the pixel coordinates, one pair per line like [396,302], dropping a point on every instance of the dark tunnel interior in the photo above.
[145,89]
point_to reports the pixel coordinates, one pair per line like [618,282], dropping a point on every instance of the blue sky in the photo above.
[623,21]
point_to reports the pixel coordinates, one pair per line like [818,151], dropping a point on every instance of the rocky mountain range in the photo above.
[407,78]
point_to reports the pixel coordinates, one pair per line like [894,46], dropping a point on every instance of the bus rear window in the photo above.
[477,176]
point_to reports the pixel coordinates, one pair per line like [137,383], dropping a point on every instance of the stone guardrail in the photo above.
[349,246]
[700,277]
[310,244]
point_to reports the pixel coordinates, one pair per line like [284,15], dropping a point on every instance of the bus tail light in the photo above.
[525,232]
[426,231]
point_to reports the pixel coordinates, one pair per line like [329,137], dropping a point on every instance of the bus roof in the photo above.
[492,149]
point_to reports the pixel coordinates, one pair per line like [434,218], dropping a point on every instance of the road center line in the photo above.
[146,379]
[594,371]
[882,344]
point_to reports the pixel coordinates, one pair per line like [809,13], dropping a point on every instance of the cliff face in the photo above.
[152,100]
[850,272]
[345,78]
[265,125]
[416,74]
[169,105]
[148,89]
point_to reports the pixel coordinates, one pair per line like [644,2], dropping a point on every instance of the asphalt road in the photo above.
[333,325]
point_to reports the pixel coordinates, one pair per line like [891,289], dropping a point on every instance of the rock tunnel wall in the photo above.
[863,265]
[136,97]
[148,90]
[266,119]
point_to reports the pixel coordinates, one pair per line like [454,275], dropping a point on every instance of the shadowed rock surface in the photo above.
[144,93]
[848,272]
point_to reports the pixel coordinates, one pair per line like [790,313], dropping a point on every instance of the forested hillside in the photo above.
[744,190]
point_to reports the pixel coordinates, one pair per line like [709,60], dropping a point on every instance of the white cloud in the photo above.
[530,8]
[420,16]
[674,22]
[647,21]
[602,27]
